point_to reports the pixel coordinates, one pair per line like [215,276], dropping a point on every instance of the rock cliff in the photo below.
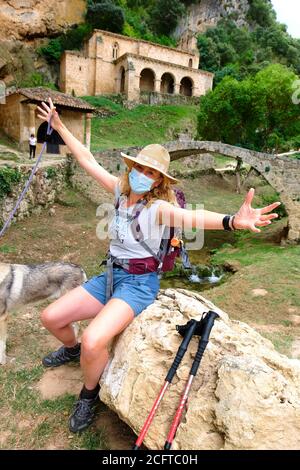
[207,13]
[28,19]
[24,25]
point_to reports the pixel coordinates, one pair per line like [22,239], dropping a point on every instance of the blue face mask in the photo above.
[139,182]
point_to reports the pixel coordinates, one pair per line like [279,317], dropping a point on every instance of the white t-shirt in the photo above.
[32,141]
[123,243]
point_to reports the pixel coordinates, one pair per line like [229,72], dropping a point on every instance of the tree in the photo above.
[261,12]
[105,15]
[257,112]
[164,16]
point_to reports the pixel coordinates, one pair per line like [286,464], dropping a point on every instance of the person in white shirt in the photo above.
[32,146]
[112,310]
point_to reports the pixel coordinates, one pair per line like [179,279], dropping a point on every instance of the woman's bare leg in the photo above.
[113,318]
[75,305]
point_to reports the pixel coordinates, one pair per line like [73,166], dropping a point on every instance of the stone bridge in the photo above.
[282,173]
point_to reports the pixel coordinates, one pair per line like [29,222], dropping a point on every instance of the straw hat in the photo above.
[154,156]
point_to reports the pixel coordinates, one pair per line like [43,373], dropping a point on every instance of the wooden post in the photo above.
[88,131]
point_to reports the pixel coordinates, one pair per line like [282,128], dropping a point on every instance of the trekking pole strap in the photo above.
[192,325]
[208,324]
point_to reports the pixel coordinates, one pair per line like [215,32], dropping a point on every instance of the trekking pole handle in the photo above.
[181,351]
[208,324]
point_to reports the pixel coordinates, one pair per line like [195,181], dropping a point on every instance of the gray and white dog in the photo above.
[23,284]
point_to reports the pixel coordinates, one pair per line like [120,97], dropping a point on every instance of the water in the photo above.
[199,278]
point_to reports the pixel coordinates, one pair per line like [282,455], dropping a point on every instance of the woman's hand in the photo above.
[49,113]
[248,218]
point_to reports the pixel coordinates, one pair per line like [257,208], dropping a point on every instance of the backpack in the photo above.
[169,250]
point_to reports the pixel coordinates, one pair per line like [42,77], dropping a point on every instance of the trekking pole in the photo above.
[188,331]
[207,324]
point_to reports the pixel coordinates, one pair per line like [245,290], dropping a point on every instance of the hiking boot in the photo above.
[60,357]
[83,414]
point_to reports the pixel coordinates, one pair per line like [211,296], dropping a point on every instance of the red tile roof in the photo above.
[58,98]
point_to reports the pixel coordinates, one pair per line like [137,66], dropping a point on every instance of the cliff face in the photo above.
[207,13]
[27,19]
[24,25]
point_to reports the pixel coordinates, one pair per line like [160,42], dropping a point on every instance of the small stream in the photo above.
[203,275]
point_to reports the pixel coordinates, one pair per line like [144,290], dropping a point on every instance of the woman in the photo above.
[147,178]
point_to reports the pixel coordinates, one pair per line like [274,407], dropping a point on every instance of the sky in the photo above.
[288,12]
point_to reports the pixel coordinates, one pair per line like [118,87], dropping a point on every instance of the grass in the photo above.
[140,126]
[281,342]
[265,265]
[33,422]
[8,141]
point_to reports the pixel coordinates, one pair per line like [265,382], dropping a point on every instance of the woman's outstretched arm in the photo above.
[246,218]
[84,157]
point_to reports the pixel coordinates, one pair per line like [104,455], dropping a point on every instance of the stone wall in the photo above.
[154,98]
[10,117]
[80,180]
[46,185]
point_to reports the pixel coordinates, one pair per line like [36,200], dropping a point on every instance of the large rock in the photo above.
[34,18]
[245,395]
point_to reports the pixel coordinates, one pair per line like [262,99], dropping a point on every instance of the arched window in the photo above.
[147,80]
[115,53]
[186,87]
[190,62]
[167,83]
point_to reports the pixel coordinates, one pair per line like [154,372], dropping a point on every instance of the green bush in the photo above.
[164,16]
[8,177]
[105,15]
[36,79]
[261,12]
[255,113]
[269,199]
[72,39]
[51,173]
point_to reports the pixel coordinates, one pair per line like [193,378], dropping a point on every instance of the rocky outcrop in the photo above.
[207,13]
[27,19]
[24,26]
[245,395]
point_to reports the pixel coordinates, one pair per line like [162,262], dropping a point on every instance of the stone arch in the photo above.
[167,83]
[186,86]
[53,141]
[282,173]
[147,78]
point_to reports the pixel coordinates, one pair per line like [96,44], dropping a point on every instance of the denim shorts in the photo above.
[137,290]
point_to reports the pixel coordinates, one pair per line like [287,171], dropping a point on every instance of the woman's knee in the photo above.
[92,344]
[50,317]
